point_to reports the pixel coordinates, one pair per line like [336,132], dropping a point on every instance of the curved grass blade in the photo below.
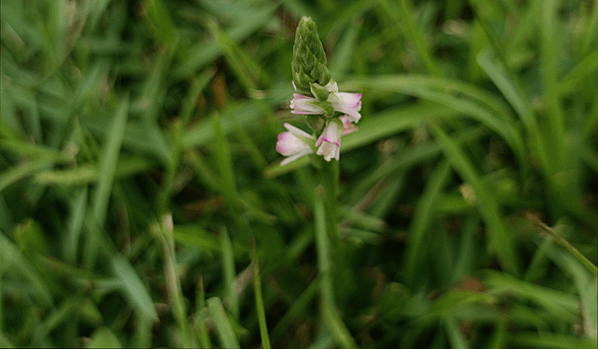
[134,287]
[223,326]
[500,240]
[475,103]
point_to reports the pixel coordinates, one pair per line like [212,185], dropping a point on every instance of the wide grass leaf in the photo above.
[552,341]
[109,162]
[103,337]
[134,287]
[465,98]
[223,326]
[12,257]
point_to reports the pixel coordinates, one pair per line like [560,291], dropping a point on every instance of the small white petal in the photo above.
[293,158]
[297,131]
[304,105]
[332,86]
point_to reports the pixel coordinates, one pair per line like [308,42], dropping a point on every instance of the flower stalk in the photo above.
[329,173]
[330,114]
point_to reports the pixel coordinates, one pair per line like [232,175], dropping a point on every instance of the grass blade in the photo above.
[228,271]
[12,257]
[26,169]
[479,105]
[565,244]
[223,326]
[103,337]
[552,340]
[418,236]
[338,329]
[201,316]
[499,238]
[134,287]
[109,162]
[107,172]
[455,337]
[259,301]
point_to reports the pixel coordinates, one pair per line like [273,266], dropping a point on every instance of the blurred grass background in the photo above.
[142,204]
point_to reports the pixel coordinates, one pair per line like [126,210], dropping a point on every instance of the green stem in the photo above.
[564,243]
[323,253]
[165,195]
[172,280]
[326,225]
[201,311]
[259,301]
[329,171]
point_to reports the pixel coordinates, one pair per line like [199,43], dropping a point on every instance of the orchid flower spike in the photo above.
[318,99]
[294,144]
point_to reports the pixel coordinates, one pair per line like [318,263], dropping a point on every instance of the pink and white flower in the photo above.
[301,104]
[348,126]
[295,143]
[346,103]
[329,142]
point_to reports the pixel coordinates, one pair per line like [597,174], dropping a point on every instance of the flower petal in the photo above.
[293,158]
[294,143]
[351,100]
[329,142]
[347,103]
[332,87]
[304,105]
[329,151]
[297,131]
[348,126]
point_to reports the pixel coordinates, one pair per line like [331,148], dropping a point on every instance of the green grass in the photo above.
[142,203]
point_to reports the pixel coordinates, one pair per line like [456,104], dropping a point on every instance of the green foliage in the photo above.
[142,203]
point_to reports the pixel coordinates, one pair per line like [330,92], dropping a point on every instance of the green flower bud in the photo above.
[309,58]
[320,92]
